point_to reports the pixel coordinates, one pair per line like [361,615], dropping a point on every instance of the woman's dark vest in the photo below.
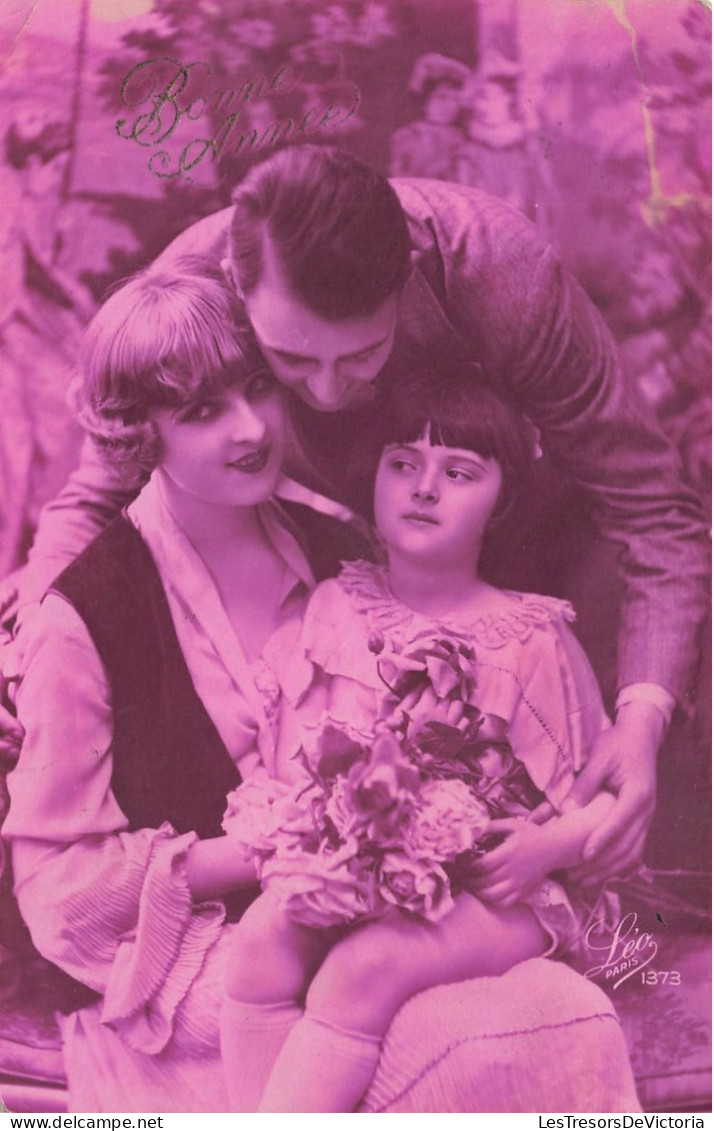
[169,762]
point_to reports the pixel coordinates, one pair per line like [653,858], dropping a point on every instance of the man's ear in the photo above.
[229,273]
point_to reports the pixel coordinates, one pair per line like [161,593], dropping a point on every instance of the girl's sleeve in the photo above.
[546,691]
[328,677]
[111,907]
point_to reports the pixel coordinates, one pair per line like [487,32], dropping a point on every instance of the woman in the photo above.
[143,700]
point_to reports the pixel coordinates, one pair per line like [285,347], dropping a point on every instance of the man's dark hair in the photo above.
[336,227]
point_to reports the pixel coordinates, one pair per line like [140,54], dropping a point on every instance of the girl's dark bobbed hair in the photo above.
[457,409]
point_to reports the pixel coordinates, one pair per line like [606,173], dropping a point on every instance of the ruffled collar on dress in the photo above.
[517,616]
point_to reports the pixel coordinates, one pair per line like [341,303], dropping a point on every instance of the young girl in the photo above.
[451,460]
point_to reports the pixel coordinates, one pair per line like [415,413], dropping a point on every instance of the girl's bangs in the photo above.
[452,421]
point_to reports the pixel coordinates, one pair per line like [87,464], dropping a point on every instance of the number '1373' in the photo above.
[661,977]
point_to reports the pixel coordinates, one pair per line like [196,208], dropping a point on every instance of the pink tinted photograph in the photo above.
[355,497]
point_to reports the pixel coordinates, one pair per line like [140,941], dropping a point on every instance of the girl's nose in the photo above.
[247,426]
[425,491]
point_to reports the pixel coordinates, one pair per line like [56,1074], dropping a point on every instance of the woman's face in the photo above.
[443,105]
[225,447]
[433,503]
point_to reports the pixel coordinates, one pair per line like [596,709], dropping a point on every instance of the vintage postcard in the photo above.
[436,304]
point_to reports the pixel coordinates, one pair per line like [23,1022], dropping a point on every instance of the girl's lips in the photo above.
[252,463]
[418,516]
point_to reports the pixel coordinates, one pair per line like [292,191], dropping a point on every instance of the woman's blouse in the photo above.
[113,908]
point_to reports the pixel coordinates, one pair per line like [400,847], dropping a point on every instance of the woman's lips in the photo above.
[253,462]
[420,517]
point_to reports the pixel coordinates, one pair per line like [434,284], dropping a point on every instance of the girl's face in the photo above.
[225,447]
[433,503]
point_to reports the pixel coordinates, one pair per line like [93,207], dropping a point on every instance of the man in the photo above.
[342,275]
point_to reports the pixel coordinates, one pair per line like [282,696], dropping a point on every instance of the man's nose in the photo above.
[247,427]
[326,386]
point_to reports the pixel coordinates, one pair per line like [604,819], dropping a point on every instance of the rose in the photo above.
[444,663]
[450,669]
[448,820]
[263,812]
[336,752]
[380,790]
[321,889]
[418,886]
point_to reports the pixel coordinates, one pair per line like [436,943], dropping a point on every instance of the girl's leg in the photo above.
[328,1060]
[271,964]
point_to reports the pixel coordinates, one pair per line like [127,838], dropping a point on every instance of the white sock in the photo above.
[321,1068]
[252,1035]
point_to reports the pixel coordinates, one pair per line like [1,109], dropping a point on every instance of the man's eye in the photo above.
[366,356]
[258,386]
[292,360]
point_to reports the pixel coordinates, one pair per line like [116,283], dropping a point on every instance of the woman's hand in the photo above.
[214,867]
[507,873]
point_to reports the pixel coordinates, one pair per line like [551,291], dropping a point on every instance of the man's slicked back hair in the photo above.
[335,226]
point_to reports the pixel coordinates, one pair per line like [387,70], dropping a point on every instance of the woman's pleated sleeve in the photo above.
[110,907]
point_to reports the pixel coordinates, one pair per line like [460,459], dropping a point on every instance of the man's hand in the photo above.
[11,733]
[623,761]
[8,596]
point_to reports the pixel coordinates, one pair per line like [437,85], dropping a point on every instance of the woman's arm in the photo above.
[84,882]
[91,498]
[214,867]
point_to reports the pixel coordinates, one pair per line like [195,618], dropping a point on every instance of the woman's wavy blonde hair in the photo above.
[162,339]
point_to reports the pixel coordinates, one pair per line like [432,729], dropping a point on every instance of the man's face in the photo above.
[328,364]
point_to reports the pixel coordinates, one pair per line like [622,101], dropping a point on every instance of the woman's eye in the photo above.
[199,412]
[458,474]
[400,464]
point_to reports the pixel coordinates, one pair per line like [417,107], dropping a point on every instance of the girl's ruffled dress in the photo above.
[530,672]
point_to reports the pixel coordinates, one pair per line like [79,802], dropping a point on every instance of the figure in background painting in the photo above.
[430,145]
[42,313]
[496,156]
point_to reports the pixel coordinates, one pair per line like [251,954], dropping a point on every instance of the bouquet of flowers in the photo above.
[387,821]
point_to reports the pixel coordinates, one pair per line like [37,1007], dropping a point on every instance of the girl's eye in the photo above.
[459,475]
[401,464]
